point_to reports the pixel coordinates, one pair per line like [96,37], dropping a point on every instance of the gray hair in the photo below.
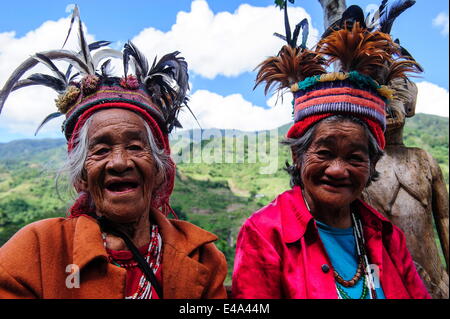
[300,145]
[74,164]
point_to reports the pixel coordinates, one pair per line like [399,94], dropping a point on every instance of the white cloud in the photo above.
[441,21]
[432,99]
[223,43]
[234,112]
[26,108]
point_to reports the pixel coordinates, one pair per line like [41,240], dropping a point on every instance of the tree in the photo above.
[332,11]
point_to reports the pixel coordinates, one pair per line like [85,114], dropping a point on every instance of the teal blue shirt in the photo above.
[340,245]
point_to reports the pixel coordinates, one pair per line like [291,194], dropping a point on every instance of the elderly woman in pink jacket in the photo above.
[318,240]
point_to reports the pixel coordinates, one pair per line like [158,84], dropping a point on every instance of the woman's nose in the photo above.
[337,169]
[119,161]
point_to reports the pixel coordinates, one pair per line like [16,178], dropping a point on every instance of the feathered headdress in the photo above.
[156,92]
[383,60]
[365,45]
[366,59]
[164,83]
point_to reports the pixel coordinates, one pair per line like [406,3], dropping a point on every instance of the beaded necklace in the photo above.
[343,295]
[360,246]
[363,265]
[152,257]
[352,282]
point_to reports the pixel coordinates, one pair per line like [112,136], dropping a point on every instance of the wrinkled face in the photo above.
[120,172]
[335,168]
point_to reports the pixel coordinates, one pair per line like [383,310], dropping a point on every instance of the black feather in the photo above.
[41,79]
[282,37]
[48,118]
[367,17]
[301,25]
[287,26]
[351,15]
[177,123]
[85,52]
[75,14]
[84,48]
[389,16]
[74,76]
[140,61]
[382,7]
[168,82]
[105,68]
[30,63]
[45,60]
[192,113]
[98,44]
[92,46]
[408,55]
[49,81]
[68,71]
[376,16]
[126,61]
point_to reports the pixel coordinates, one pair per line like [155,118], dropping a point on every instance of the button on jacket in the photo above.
[33,263]
[279,254]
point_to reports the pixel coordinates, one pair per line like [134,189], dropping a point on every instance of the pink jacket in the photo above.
[279,254]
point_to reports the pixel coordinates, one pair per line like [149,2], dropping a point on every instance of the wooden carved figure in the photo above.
[412,194]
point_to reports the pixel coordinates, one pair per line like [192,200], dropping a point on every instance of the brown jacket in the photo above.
[34,261]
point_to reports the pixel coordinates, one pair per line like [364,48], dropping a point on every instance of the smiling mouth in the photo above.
[335,185]
[122,187]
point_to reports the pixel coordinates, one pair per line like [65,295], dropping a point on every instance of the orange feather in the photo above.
[290,66]
[357,49]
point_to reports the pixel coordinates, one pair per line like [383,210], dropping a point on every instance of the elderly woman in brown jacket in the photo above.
[117,241]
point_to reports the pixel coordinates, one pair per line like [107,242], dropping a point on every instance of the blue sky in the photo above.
[222,40]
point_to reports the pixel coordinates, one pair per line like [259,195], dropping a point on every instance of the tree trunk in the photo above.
[332,11]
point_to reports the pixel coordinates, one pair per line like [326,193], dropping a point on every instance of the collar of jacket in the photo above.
[296,218]
[183,276]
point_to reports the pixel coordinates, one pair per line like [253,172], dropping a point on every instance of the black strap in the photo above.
[142,263]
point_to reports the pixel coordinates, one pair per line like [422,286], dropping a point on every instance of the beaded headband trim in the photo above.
[107,95]
[361,80]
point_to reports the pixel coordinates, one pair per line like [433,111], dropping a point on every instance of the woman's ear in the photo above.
[81,184]
[373,163]
[160,177]
[296,162]
[372,171]
[295,159]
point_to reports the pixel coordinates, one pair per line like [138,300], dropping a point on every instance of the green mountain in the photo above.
[222,176]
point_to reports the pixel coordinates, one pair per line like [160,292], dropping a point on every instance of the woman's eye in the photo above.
[357,158]
[135,148]
[101,151]
[323,153]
